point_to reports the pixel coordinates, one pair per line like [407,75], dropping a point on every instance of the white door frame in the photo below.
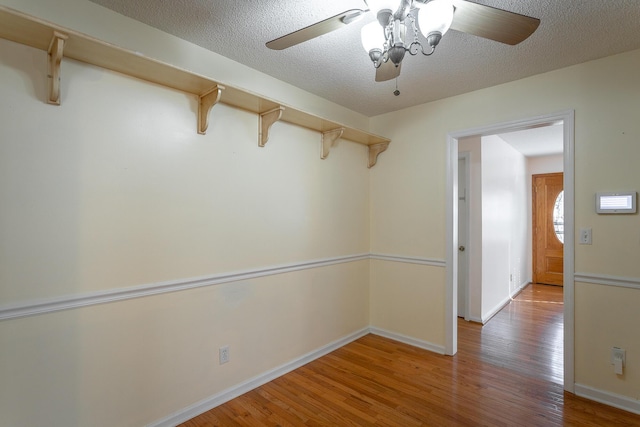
[451,319]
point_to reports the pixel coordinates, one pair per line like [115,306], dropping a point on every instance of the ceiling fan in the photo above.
[395,33]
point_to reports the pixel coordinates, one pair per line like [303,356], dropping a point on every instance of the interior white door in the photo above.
[463,236]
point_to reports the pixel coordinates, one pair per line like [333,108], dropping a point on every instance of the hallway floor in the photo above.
[525,336]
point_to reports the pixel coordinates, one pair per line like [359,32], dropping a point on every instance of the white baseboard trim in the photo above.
[502,304]
[608,398]
[211,402]
[32,308]
[602,279]
[601,396]
[233,392]
[496,310]
[408,340]
[410,260]
[520,288]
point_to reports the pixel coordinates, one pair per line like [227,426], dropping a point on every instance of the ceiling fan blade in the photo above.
[387,71]
[317,29]
[492,23]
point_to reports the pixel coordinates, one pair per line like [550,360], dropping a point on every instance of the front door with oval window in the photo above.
[548,228]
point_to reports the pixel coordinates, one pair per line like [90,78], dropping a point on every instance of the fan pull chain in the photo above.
[396,92]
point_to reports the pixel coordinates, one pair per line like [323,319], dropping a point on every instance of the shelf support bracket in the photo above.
[206,102]
[329,138]
[56,48]
[374,152]
[267,119]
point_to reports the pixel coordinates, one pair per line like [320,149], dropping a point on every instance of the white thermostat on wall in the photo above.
[621,202]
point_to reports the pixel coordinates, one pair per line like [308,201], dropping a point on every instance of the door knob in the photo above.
[461,248]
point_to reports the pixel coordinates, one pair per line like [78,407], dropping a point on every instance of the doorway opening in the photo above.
[453,246]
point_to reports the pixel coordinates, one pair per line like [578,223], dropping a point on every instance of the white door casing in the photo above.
[451,298]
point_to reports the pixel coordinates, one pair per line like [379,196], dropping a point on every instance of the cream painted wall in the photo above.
[402,302]
[127,182]
[87,163]
[137,361]
[114,189]
[608,318]
[408,187]
[104,24]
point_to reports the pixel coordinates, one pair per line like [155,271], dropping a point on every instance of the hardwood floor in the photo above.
[506,373]
[526,336]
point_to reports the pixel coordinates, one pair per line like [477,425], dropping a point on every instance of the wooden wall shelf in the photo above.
[61,42]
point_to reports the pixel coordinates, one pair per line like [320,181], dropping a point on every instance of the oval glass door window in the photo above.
[558,217]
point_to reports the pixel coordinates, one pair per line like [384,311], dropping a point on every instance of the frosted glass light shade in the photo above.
[435,16]
[372,36]
[378,5]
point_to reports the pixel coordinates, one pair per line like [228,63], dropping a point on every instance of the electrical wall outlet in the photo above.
[618,360]
[617,353]
[223,354]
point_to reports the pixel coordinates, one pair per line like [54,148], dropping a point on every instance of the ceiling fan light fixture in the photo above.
[433,39]
[372,36]
[396,54]
[378,5]
[376,57]
[383,9]
[397,46]
[401,22]
[434,19]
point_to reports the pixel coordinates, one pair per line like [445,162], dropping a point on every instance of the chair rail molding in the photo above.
[607,280]
[410,259]
[67,302]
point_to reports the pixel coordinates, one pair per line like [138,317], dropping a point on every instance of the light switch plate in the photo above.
[585,236]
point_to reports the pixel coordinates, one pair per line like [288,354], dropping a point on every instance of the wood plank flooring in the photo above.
[526,336]
[506,373]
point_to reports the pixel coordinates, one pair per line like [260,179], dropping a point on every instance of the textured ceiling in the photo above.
[335,66]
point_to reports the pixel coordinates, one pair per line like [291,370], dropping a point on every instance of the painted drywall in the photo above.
[597,337]
[498,214]
[104,24]
[408,187]
[544,164]
[504,226]
[114,189]
[134,362]
[401,300]
[127,182]
[406,202]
